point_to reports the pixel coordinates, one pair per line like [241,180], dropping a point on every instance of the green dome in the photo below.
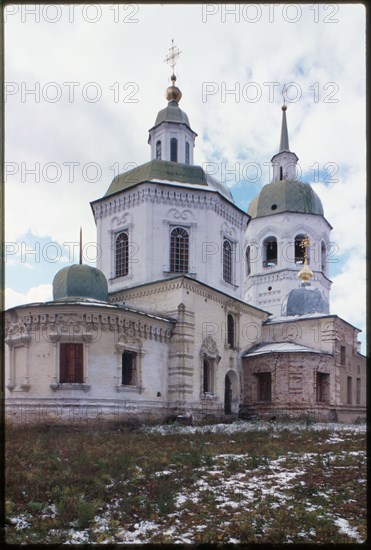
[285,196]
[172,113]
[80,282]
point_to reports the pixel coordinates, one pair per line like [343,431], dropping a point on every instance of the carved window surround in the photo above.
[18,337]
[57,338]
[134,345]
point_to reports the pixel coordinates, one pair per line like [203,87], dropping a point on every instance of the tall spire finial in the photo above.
[80,258]
[305,274]
[172,57]
[284,143]
[173,94]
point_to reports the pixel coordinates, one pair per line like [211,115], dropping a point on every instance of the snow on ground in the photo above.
[245,426]
[231,481]
[344,526]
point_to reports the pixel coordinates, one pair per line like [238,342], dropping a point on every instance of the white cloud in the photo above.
[40,293]
[314,55]
[348,296]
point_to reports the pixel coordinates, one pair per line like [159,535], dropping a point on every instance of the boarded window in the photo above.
[349,390]
[322,387]
[129,368]
[71,364]
[264,386]
[358,396]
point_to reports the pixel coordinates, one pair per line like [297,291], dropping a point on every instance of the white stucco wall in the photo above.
[148,212]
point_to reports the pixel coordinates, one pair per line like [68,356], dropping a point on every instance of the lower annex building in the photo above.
[196,308]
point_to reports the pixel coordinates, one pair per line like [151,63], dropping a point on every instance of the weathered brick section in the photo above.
[328,383]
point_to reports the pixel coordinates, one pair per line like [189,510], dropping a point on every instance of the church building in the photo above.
[196,308]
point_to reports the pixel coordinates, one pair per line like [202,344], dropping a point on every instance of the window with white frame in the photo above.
[179,250]
[122,254]
[227,261]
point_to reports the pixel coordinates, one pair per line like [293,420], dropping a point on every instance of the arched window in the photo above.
[231,330]
[323,257]
[270,252]
[187,152]
[207,377]
[122,255]
[158,150]
[174,150]
[179,250]
[299,249]
[248,261]
[281,173]
[227,261]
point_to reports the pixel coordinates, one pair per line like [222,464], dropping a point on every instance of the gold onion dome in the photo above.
[172,92]
[305,274]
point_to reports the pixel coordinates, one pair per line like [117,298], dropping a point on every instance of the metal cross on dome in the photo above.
[173,55]
[284,94]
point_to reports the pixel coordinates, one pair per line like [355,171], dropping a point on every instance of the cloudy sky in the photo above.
[84,84]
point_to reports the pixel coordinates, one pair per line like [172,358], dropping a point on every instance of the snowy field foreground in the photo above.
[245,482]
[244,426]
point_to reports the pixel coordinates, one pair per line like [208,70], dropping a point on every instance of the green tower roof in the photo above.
[166,171]
[80,282]
[172,113]
[285,196]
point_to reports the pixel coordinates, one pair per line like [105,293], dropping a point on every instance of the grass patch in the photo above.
[106,483]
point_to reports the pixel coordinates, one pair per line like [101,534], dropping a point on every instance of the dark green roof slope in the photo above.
[285,196]
[163,170]
[80,281]
[172,113]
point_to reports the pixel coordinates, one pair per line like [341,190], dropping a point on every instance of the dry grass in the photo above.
[106,483]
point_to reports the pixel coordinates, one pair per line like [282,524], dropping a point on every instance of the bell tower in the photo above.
[285,213]
[172,138]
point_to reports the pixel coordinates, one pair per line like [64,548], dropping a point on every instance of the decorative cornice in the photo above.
[161,287]
[87,327]
[172,196]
